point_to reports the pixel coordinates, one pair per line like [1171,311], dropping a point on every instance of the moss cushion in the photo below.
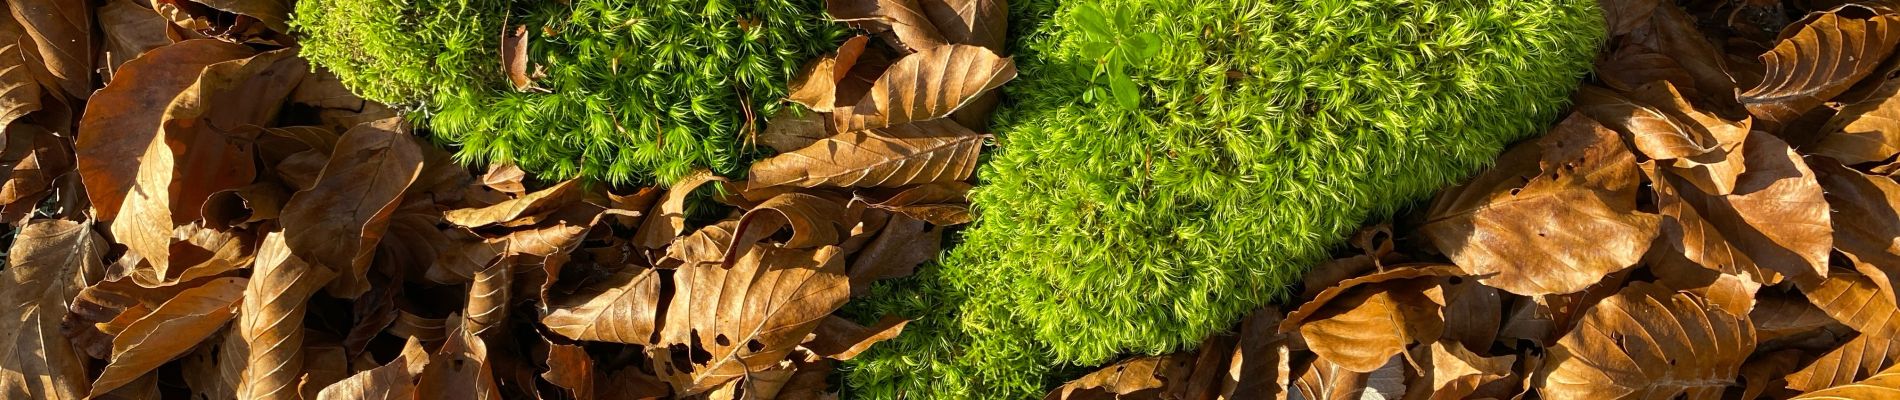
[630,90]
[1166,166]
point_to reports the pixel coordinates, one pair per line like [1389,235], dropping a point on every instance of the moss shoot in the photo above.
[633,90]
[1166,166]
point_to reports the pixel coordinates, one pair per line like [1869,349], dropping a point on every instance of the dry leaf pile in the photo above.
[1716,219]
[218,221]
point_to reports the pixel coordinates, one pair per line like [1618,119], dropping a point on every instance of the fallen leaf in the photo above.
[1184,375]
[904,18]
[1361,330]
[170,331]
[899,248]
[941,203]
[840,339]
[1865,221]
[273,318]
[47,264]
[62,30]
[1556,232]
[533,204]
[1262,359]
[130,30]
[1324,380]
[1777,219]
[926,85]
[1819,57]
[21,94]
[487,304]
[1885,384]
[1457,373]
[817,89]
[506,177]
[393,381]
[923,152]
[983,23]
[514,57]
[667,220]
[359,188]
[1865,131]
[571,368]
[460,369]
[274,14]
[122,120]
[815,221]
[1649,342]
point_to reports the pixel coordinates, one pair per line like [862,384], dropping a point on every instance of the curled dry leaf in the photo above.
[903,18]
[1457,373]
[739,316]
[122,120]
[63,32]
[48,263]
[815,221]
[460,369]
[529,206]
[1883,385]
[1865,131]
[170,331]
[1649,342]
[273,314]
[1696,144]
[337,223]
[19,92]
[571,368]
[1856,301]
[1325,380]
[130,30]
[1777,219]
[916,153]
[840,339]
[927,85]
[1560,231]
[899,248]
[1865,221]
[667,220]
[983,23]
[940,203]
[1362,322]
[817,89]
[393,381]
[514,57]
[1820,57]
[1184,375]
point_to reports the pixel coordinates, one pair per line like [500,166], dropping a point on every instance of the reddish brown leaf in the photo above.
[1865,131]
[840,339]
[122,120]
[571,368]
[815,221]
[170,331]
[1649,342]
[393,381]
[130,30]
[1819,57]
[923,152]
[1560,231]
[514,57]
[62,30]
[359,188]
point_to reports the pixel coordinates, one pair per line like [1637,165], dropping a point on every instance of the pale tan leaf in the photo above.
[272,318]
[170,331]
[904,18]
[1819,57]
[1865,220]
[929,84]
[668,217]
[1883,385]
[1362,329]
[1561,231]
[1648,342]
[49,262]
[506,177]
[1856,359]
[817,89]
[538,203]
[1324,380]
[915,153]
[19,91]
[63,31]
[336,224]
[393,381]
[1776,222]
[1183,375]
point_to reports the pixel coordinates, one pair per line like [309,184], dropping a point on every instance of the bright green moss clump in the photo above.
[634,90]
[1262,133]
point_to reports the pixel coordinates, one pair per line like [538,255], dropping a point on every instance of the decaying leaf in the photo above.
[840,339]
[336,224]
[1649,342]
[49,262]
[122,120]
[929,84]
[272,315]
[815,221]
[1820,57]
[916,153]
[1582,204]
[393,381]
[667,220]
[170,331]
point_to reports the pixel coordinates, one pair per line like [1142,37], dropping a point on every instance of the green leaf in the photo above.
[1093,20]
[1124,89]
[1097,50]
[1143,47]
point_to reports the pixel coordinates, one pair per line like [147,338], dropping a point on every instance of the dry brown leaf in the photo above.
[507,178]
[1820,57]
[1361,330]
[1777,219]
[840,339]
[255,203]
[122,120]
[130,30]
[514,57]
[1560,231]
[815,221]
[393,381]
[529,206]
[668,217]
[927,85]
[62,30]
[940,203]
[460,369]
[274,14]
[1183,375]
[1648,342]
[1457,373]
[739,316]
[817,89]
[1324,380]
[1855,359]
[273,314]
[1624,16]
[1262,361]
[487,304]
[1777,315]
[359,188]
[571,368]
[48,263]
[1865,131]
[170,331]
[1856,301]
[1472,313]
[903,18]
[899,248]
[916,153]
[21,94]
[706,245]
[1672,32]
[102,305]
[1883,385]
[983,23]
[1865,221]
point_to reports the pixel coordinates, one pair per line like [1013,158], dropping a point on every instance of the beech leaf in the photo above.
[1864,131]
[1819,57]
[273,315]
[930,84]
[170,331]
[48,263]
[1649,342]
[337,223]
[916,153]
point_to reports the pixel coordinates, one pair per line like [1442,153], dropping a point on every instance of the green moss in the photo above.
[635,90]
[1263,132]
